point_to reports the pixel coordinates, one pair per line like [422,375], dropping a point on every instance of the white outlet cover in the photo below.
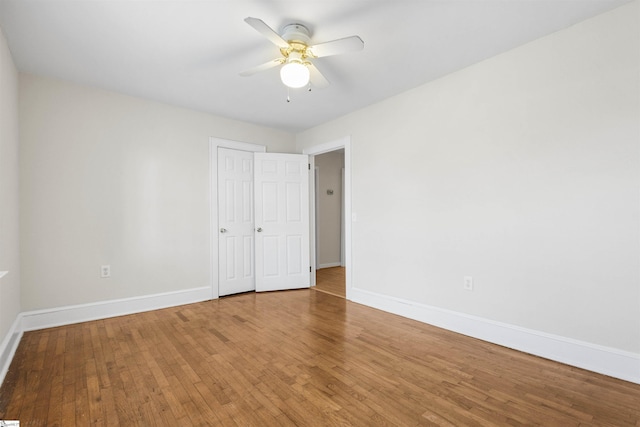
[468,283]
[105,271]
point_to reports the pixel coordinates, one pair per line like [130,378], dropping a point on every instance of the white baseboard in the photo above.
[329,265]
[49,318]
[604,360]
[9,346]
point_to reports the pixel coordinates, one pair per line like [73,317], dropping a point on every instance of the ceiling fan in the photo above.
[297,52]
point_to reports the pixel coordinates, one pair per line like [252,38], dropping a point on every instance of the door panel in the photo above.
[236,271]
[282,221]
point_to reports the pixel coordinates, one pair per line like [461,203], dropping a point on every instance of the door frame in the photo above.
[312,151]
[214,143]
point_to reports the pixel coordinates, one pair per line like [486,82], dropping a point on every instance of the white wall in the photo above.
[111,179]
[521,171]
[329,218]
[9,249]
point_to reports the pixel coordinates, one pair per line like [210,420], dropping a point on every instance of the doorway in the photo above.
[329,230]
[342,273]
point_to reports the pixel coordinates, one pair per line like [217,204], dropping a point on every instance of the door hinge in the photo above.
[309,269]
[309,166]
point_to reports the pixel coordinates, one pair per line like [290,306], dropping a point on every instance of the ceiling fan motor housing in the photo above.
[296,33]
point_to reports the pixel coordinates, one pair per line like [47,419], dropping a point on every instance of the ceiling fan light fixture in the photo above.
[294,74]
[298,52]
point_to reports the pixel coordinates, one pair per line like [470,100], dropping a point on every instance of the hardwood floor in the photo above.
[331,281]
[294,358]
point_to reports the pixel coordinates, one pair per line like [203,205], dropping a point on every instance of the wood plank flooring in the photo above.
[294,358]
[331,281]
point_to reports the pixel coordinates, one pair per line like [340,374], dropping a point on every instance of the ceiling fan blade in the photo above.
[262,67]
[316,77]
[336,47]
[267,31]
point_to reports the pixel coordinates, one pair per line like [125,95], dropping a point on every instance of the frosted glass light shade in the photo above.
[294,75]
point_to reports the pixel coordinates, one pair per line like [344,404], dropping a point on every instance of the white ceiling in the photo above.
[189,53]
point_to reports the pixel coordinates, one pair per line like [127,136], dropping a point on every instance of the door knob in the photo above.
[259,230]
[223,230]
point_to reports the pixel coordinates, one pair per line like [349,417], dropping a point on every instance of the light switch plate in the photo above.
[468,283]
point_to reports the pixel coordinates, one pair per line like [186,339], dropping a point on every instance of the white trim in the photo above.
[343,219]
[342,143]
[214,144]
[49,318]
[328,146]
[60,316]
[596,358]
[9,346]
[604,360]
[313,223]
[329,265]
[236,145]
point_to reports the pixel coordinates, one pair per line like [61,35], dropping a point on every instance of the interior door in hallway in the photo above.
[236,272]
[282,221]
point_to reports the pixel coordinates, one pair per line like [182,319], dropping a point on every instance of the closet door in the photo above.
[236,272]
[281,183]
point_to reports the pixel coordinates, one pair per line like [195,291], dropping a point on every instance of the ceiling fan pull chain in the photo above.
[288,99]
[309,85]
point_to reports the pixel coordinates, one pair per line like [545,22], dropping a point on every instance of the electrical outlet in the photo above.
[105,271]
[468,283]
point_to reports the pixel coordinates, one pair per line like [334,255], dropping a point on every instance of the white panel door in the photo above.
[281,221]
[235,222]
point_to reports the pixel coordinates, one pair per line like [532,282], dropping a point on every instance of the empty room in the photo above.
[282,212]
